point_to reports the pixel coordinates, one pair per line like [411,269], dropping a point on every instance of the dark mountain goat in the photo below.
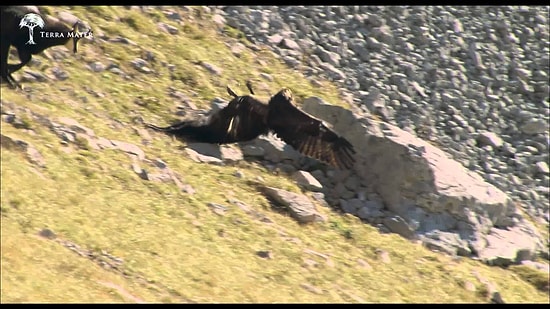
[245,118]
[18,30]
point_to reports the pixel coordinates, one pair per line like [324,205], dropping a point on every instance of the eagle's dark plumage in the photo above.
[246,117]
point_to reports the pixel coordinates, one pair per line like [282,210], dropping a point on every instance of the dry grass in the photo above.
[174,248]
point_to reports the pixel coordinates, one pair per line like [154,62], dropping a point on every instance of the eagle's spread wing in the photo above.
[307,134]
[243,119]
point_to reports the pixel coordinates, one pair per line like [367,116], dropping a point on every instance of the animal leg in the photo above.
[4,73]
[24,57]
[249,86]
[231,92]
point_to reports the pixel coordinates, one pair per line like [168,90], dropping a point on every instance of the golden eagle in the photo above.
[246,117]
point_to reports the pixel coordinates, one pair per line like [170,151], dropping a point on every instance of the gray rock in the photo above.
[537,265]
[172,15]
[141,65]
[117,71]
[311,288]
[360,50]
[290,44]
[535,126]
[216,153]
[33,76]
[496,298]
[230,153]
[286,168]
[97,66]
[352,183]
[75,126]
[275,149]
[291,61]
[123,41]
[333,72]
[218,208]
[374,44]
[218,19]
[32,154]
[206,149]
[197,157]
[429,178]
[399,226]
[327,56]
[138,170]
[167,28]
[320,197]
[369,210]
[60,74]
[299,205]
[374,99]
[47,233]
[542,167]
[383,34]
[306,180]
[129,148]
[232,22]
[489,138]
[267,77]
[138,62]
[512,246]
[104,143]
[253,151]
[450,243]
[347,207]
[212,68]
[275,39]
[155,177]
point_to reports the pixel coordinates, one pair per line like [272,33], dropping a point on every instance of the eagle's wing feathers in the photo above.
[246,117]
[308,134]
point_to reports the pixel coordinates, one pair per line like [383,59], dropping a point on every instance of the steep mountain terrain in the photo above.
[96,208]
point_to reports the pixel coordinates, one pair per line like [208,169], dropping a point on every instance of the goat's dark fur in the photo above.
[13,35]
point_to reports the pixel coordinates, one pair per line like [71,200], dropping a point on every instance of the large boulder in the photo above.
[434,194]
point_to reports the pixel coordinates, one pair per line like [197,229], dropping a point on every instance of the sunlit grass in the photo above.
[180,248]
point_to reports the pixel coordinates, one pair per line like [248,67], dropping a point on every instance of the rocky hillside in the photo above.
[472,79]
[96,208]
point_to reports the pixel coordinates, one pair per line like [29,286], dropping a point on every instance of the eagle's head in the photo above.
[284,97]
[287,93]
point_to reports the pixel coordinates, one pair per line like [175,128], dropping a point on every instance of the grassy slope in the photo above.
[174,247]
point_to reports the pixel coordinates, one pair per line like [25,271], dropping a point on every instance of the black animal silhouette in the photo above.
[246,117]
[12,34]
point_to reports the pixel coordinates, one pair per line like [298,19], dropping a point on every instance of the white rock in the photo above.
[490,138]
[405,170]
[542,167]
[305,179]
